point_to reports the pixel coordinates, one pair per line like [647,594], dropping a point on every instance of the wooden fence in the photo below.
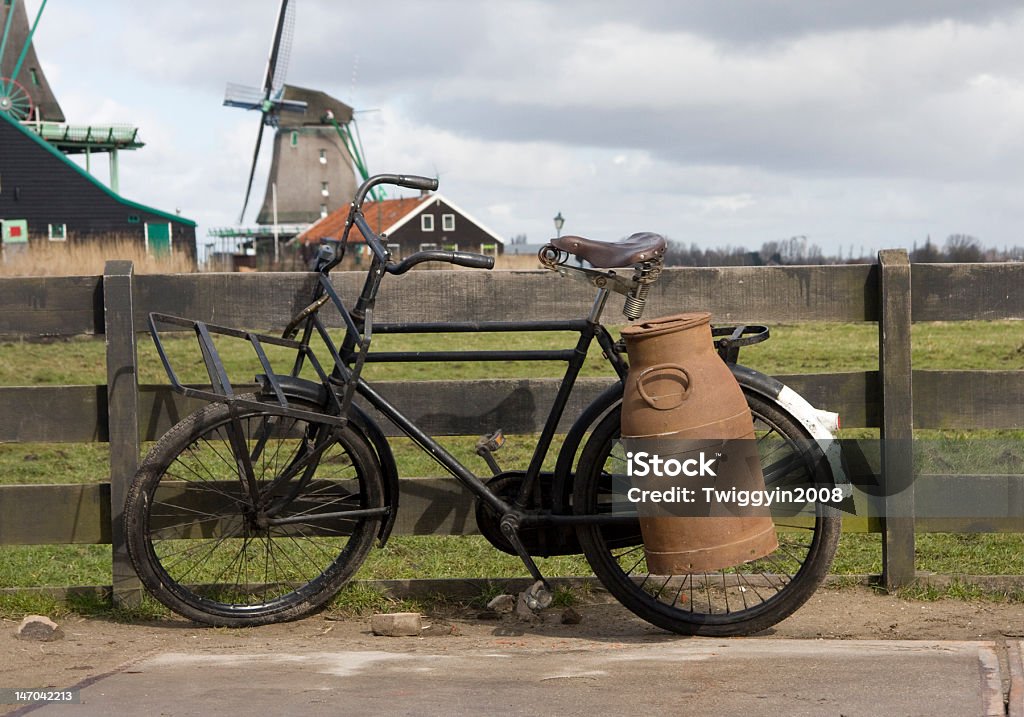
[894,398]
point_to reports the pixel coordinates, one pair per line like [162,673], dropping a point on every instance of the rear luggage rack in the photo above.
[735,337]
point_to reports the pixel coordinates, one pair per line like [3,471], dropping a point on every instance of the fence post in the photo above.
[122,415]
[897,431]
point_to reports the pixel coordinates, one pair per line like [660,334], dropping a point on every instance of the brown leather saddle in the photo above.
[639,247]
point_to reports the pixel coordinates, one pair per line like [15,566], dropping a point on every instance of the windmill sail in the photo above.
[312,171]
[268,100]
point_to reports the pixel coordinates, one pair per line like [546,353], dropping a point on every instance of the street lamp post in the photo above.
[559,223]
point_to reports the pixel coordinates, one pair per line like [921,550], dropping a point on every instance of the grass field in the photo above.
[792,349]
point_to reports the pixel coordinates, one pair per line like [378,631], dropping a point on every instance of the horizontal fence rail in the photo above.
[892,294]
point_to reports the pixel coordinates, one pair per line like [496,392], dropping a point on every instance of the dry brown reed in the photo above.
[50,258]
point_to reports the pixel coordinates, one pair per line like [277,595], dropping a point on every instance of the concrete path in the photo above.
[749,677]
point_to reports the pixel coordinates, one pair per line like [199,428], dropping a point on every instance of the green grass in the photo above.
[804,348]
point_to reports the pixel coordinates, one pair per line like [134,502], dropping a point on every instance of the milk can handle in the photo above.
[653,402]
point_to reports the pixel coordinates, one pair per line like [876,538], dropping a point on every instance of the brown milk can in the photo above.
[681,403]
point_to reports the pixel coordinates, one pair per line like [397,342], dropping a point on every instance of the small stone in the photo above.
[440,629]
[523,611]
[571,617]
[39,628]
[502,604]
[397,624]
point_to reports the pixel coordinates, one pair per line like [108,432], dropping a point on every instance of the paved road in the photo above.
[747,677]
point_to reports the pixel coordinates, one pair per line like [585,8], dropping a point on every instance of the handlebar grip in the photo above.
[473,261]
[411,181]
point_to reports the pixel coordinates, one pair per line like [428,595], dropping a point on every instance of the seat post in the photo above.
[598,308]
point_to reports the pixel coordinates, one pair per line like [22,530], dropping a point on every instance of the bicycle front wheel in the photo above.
[226,546]
[739,600]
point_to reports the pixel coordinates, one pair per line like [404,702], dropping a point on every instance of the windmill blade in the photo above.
[280,49]
[252,171]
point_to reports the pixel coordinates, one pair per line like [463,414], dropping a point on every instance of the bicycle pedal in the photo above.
[491,443]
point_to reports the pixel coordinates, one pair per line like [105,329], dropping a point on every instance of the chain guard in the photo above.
[540,541]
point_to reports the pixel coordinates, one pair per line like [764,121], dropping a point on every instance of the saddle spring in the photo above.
[636,300]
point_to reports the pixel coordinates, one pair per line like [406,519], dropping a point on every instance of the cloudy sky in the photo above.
[851,122]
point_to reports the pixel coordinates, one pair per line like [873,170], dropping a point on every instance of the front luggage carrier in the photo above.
[221,389]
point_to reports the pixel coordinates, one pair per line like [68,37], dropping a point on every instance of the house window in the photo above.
[323,211]
[427,222]
[33,76]
[448,222]
[295,138]
[133,219]
[57,232]
[450,246]
[428,247]
[323,156]
[395,250]
[489,249]
[324,190]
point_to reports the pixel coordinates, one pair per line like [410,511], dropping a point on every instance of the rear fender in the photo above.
[817,423]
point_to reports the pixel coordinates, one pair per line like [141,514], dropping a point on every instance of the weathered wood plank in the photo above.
[77,414]
[51,306]
[769,293]
[968,399]
[53,414]
[897,429]
[75,514]
[54,514]
[267,301]
[968,292]
[942,399]
[855,395]
[123,415]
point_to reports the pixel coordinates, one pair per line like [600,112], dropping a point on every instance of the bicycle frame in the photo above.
[354,353]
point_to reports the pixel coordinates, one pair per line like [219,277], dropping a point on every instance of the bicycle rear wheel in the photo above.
[739,600]
[216,549]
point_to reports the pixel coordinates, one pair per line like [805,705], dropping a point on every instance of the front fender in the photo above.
[368,428]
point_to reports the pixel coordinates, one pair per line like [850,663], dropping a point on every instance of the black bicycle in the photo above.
[260,506]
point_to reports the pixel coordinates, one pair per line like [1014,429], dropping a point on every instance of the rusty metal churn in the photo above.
[683,405]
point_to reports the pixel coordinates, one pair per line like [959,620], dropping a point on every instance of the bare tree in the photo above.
[962,248]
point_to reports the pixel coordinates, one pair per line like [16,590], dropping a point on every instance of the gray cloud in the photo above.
[743,121]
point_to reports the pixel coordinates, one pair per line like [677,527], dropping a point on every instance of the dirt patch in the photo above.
[95,647]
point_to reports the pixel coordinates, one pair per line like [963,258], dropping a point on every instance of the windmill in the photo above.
[315,155]
[24,96]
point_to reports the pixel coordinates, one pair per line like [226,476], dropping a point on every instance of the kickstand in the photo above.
[539,595]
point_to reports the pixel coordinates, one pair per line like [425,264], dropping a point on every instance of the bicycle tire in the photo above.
[764,591]
[196,540]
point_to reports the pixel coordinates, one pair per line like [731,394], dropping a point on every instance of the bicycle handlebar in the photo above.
[409,181]
[459,258]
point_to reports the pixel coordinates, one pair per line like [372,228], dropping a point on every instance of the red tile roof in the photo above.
[380,216]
